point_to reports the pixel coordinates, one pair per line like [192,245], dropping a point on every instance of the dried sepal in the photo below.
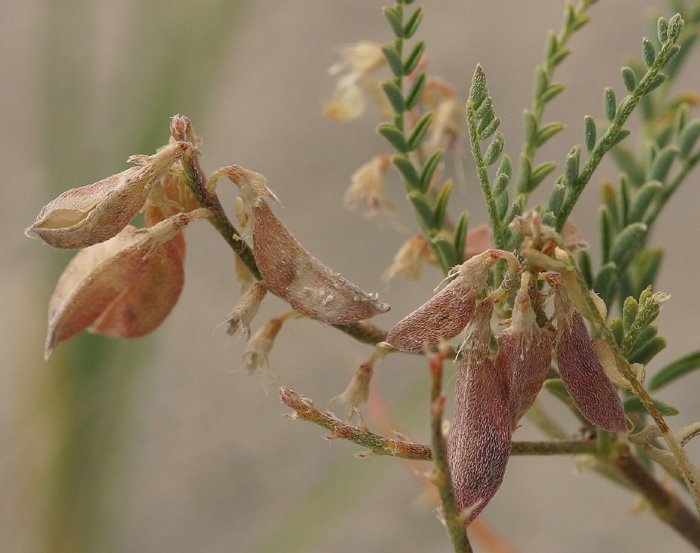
[81,217]
[446,314]
[124,286]
[524,354]
[291,272]
[357,391]
[583,375]
[480,436]
[239,319]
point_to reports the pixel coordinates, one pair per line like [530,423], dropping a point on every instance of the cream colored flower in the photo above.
[367,191]
[355,73]
[409,260]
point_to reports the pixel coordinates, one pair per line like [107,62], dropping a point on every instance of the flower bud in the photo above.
[84,216]
[291,272]
[583,375]
[124,287]
[480,436]
[524,355]
[444,315]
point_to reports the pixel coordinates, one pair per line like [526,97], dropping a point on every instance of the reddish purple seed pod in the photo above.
[583,375]
[309,286]
[480,436]
[444,315]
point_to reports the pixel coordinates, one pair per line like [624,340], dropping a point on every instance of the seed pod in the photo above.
[81,217]
[525,355]
[445,314]
[290,271]
[583,375]
[479,443]
[124,287]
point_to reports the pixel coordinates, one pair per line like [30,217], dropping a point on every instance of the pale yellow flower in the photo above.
[367,191]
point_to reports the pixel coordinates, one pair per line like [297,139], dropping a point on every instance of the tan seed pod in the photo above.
[81,217]
[446,314]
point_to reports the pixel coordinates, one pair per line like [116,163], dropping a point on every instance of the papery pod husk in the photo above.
[526,358]
[446,314]
[125,286]
[81,217]
[584,378]
[309,286]
[480,434]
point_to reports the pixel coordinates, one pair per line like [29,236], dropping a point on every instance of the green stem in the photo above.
[611,135]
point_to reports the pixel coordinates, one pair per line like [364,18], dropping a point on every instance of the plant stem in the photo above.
[666,505]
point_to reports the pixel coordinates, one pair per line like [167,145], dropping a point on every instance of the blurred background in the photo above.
[163,444]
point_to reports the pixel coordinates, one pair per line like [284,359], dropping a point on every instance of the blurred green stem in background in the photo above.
[167,60]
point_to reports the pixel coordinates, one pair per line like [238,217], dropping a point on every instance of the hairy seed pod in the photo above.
[525,355]
[479,443]
[583,375]
[445,314]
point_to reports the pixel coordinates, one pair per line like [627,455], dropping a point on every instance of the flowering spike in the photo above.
[81,217]
[444,315]
[291,272]
[583,375]
[480,437]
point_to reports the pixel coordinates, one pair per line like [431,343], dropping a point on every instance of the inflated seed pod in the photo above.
[525,355]
[447,313]
[289,270]
[480,435]
[584,378]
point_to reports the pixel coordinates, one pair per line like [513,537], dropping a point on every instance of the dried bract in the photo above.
[84,216]
[291,272]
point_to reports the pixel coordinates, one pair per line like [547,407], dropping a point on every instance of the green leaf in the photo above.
[559,56]
[662,29]
[626,161]
[645,353]
[540,173]
[629,78]
[394,18]
[617,329]
[413,22]
[656,82]
[634,405]
[460,236]
[662,163]
[419,131]
[573,160]
[648,52]
[478,92]
[606,281]
[489,129]
[584,263]
[415,92]
[630,308]
[500,183]
[445,251]
[502,201]
[548,131]
[642,200]
[675,370]
[393,94]
[689,137]
[645,269]
[426,176]
[413,58]
[620,136]
[556,197]
[552,92]
[393,58]
[494,149]
[589,132]
[530,126]
[607,232]
[627,244]
[422,206]
[394,136]
[441,204]
[610,103]
[408,171]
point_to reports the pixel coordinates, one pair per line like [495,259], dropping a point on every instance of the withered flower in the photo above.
[409,259]
[444,315]
[368,189]
[580,368]
[480,435]
[81,217]
[123,287]
[291,272]
[239,319]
